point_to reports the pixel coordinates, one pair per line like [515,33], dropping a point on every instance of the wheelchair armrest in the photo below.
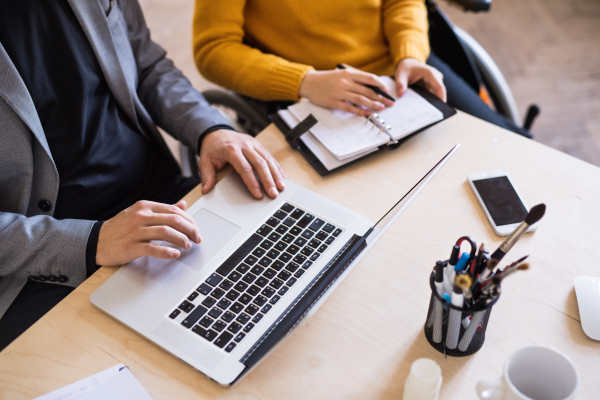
[473,5]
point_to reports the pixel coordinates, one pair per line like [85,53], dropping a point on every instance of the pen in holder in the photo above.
[454,330]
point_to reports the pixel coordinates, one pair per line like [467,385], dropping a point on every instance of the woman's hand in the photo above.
[411,71]
[344,89]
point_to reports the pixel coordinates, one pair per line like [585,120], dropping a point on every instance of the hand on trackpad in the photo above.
[216,232]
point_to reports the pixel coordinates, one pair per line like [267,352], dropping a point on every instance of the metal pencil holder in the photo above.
[446,328]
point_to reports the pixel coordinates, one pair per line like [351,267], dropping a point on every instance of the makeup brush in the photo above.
[535,214]
[520,267]
[512,265]
[463,281]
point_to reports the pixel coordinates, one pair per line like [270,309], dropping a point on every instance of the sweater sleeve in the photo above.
[223,58]
[406,28]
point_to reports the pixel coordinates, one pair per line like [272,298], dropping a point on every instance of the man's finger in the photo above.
[167,234]
[274,166]
[244,168]
[176,222]
[261,166]
[160,208]
[207,173]
[156,251]
[181,204]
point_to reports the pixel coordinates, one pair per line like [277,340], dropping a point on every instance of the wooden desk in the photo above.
[361,343]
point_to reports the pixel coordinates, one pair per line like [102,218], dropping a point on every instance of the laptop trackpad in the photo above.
[216,232]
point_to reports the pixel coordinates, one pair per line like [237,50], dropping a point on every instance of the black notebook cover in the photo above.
[447,111]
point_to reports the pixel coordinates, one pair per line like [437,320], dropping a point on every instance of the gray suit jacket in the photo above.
[148,88]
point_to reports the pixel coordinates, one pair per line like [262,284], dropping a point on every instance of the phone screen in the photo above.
[501,200]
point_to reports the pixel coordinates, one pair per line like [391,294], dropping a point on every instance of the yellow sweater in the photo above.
[263,48]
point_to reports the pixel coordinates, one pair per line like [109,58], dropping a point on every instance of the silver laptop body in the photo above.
[261,267]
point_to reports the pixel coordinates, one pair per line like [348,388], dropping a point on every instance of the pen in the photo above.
[437,306]
[454,318]
[376,89]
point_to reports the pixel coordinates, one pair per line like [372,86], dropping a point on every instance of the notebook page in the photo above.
[409,113]
[344,134]
[328,160]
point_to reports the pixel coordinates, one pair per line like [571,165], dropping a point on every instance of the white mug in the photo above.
[533,373]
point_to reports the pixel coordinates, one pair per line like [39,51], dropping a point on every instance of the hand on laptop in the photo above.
[411,71]
[127,235]
[246,155]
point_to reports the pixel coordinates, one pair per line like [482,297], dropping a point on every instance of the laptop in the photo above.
[262,266]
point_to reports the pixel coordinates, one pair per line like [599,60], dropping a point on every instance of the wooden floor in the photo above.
[548,50]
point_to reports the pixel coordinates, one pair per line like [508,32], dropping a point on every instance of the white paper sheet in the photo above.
[115,383]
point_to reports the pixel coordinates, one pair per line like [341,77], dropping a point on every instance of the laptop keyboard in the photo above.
[234,299]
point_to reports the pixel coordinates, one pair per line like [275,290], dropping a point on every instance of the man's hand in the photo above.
[344,89]
[410,71]
[246,155]
[127,235]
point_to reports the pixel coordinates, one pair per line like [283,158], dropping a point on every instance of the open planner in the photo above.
[339,138]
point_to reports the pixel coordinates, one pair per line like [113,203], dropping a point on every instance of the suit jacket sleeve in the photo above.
[164,91]
[43,245]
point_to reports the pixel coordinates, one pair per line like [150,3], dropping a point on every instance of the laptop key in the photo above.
[281,229]
[299,259]
[228,317]
[307,251]
[214,280]
[297,213]
[266,244]
[289,222]
[242,268]
[300,241]
[314,243]
[337,232]
[204,289]
[307,265]
[260,301]
[314,256]
[266,309]
[284,275]
[274,236]
[251,260]
[265,261]
[275,299]
[184,305]
[253,290]
[234,327]
[229,347]
[235,276]
[206,322]
[285,257]
[257,270]
[287,207]
[243,318]
[209,302]
[299,273]
[189,308]
[303,223]
[283,290]
[322,248]
[292,266]
[232,295]
[245,298]
[248,327]
[174,314]
[241,286]
[257,318]
[251,309]
[321,235]
[262,281]
[217,293]
[223,339]
[307,234]
[239,255]
[330,240]
[249,277]
[206,334]
[219,326]
[268,292]
[236,308]
[293,249]
[264,230]
[317,224]
[226,284]
[273,222]
[281,246]
[224,304]
[280,215]
[215,312]
[269,273]
[275,283]
[259,252]
[239,337]
[273,254]
[296,231]
[277,265]
[288,238]
[328,228]
[192,296]
[291,281]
